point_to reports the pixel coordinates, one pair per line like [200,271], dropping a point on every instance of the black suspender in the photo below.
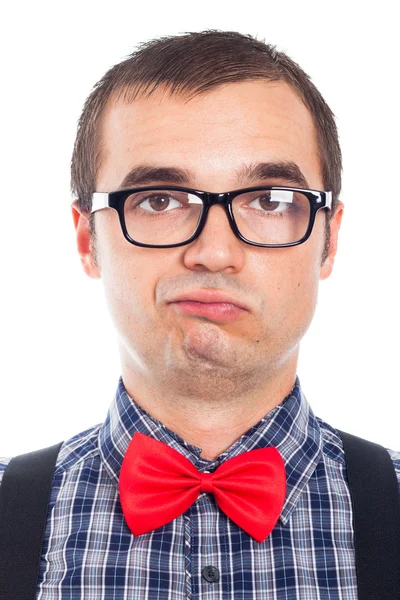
[26,487]
[24,495]
[375,497]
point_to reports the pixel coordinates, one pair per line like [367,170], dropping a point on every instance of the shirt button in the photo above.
[210,574]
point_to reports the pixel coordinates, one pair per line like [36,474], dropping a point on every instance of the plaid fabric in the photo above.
[89,552]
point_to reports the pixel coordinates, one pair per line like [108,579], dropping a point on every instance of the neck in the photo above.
[209,420]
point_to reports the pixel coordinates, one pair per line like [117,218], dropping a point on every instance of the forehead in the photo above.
[214,135]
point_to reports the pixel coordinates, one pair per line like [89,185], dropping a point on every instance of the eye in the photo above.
[160,202]
[156,201]
[265,203]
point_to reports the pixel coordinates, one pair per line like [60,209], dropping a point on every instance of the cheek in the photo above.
[291,287]
[303,283]
[128,276]
[130,289]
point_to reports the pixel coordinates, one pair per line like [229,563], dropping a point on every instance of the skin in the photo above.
[208,381]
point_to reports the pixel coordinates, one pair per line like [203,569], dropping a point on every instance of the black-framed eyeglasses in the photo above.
[171,216]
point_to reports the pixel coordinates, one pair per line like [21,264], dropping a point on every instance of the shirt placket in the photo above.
[206,546]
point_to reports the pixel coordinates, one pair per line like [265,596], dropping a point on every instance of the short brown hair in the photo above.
[188,65]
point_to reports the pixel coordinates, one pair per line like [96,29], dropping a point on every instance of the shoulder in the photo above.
[333,447]
[77,449]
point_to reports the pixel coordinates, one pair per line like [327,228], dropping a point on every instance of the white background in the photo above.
[59,360]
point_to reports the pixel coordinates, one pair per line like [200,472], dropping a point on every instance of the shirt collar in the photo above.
[291,427]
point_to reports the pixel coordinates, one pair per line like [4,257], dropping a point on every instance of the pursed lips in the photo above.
[209,297]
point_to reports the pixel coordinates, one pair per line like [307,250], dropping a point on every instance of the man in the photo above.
[209,309]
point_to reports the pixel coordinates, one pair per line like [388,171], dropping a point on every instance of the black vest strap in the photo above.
[375,497]
[24,496]
[26,487]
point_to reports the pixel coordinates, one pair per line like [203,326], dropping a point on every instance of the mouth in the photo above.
[208,296]
[222,311]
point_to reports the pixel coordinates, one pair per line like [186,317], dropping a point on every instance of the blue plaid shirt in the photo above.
[90,553]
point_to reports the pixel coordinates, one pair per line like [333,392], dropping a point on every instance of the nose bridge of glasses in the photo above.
[210,201]
[215,199]
[221,198]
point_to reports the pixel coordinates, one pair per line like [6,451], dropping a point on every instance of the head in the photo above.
[212,104]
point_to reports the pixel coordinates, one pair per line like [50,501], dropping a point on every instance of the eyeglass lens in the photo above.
[171,216]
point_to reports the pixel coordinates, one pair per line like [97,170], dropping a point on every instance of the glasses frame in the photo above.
[318,199]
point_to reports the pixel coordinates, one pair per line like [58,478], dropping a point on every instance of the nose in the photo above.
[217,248]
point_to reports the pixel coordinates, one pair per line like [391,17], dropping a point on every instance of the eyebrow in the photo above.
[148,174]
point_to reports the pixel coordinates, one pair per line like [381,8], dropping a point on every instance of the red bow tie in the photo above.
[157,484]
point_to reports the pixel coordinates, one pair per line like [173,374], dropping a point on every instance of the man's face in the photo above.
[214,136]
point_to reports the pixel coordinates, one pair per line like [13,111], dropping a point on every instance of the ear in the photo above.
[336,220]
[81,223]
